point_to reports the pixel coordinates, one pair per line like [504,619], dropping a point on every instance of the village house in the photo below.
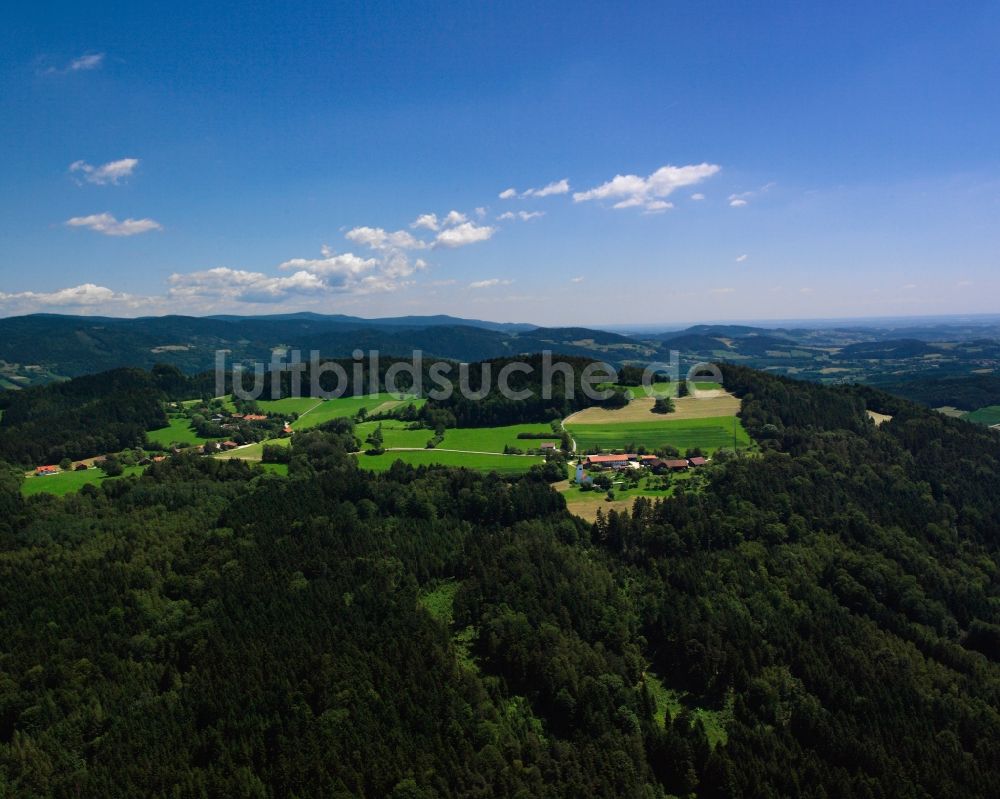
[42,471]
[697,461]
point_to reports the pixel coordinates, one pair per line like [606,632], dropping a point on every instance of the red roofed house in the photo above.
[45,470]
[254,417]
[698,461]
[676,464]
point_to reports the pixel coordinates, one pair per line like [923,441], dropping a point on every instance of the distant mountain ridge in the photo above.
[42,347]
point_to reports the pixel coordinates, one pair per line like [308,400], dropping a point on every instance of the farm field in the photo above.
[179,431]
[68,482]
[287,405]
[989,416]
[324,410]
[494,439]
[641,410]
[505,464]
[709,434]
[394,434]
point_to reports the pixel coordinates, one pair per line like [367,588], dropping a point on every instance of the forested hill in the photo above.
[821,619]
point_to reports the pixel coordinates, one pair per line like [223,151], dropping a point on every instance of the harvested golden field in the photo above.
[879,418]
[715,403]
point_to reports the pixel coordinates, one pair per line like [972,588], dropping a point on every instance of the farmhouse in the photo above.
[675,464]
[46,470]
[227,445]
[255,417]
[610,461]
[547,446]
[697,461]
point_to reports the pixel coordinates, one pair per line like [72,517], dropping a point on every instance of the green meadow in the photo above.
[177,431]
[324,410]
[394,434]
[254,452]
[68,482]
[505,464]
[494,439]
[990,415]
[709,434]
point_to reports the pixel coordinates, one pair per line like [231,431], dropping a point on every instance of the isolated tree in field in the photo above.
[663,405]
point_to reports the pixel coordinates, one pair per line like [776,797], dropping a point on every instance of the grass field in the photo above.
[276,468]
[990,415]
[324,410]
[288,405]
[178,431]
[394,434]
[505,464]
[68,482]
[254,452]
[585,504]
[493,439]
[709,434]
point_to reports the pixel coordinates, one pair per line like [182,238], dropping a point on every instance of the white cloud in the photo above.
[427,221]
[698,196]
[555,187]
[480,211]
[910,286]
[726,290]
[380,239]
[86,295]
[741,199]
[485,284]
[346,264]
[524,216]
[86,62]
[454,218]
[632,191]
[576,280]
[223,283]
[963,284]
[105,223]
[741,258]
[111,172]
[463,234]
[657,206]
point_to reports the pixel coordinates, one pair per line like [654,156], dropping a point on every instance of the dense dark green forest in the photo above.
[823,617]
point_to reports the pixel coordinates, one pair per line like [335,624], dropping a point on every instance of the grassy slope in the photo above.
[990,415]
[709,434]
[510,464]
[67,482]
[179,431]
[395,434]
[493,439]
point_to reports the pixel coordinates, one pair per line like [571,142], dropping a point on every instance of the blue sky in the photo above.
[703,161]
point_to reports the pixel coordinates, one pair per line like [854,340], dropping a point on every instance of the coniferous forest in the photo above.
[818,619]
